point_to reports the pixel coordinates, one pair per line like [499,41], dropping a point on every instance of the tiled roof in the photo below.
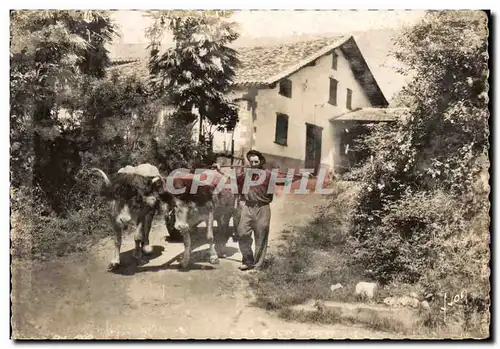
[134,67]
[265,65]
[371,114]
[259,65]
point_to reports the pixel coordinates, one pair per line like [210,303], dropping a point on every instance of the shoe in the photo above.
[245,267]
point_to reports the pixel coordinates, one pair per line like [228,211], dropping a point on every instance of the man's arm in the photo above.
[240,177]
[295,177]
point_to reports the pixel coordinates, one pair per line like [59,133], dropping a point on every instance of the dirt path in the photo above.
[75,297]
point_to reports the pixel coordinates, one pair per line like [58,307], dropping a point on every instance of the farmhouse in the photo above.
[301,104]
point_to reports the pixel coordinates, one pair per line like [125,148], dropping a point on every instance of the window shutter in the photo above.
[334,60]
[285,88]
[333,92]
[281,135]
[349,99]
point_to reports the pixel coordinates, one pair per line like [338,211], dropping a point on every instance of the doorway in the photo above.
[313,147]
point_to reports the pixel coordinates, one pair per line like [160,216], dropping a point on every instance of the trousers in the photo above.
[256,219]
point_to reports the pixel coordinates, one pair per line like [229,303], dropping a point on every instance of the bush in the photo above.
[38,232]
[422,233]
[175,147]
[422,217]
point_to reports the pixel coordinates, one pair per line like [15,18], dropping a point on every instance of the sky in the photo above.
[286,22]
[370,29]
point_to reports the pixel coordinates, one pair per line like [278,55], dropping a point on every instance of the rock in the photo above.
[414,303]
[335,287]
[390,301]
[404,301]
[366,289]
[409,302]
[414,295]
[425,305]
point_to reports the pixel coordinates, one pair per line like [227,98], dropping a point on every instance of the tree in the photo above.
[423,216]
[198,71]
[53,56]
[118,119]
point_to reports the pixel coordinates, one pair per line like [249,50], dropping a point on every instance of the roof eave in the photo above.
[248,84]
[351,50]
[362,120]
[119,61]
[238,84]
[390,115]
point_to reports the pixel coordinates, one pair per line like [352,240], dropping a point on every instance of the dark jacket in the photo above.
[259,194]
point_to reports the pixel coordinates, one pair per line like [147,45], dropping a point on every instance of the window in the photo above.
[334,60]
[349,99]
[286,88]
[333,92]
[281,129]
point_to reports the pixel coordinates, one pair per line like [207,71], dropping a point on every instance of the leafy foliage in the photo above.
[71,111]
[420,218]
[38,233]
[175,148]
[423,214]
[198,72]
[54,55]
[119,119]
[55,59]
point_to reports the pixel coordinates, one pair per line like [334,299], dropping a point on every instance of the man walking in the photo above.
[255,212]
[255,216]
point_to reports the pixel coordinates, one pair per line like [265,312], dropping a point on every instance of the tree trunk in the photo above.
[200,130]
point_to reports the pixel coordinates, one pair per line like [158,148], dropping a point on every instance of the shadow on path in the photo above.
[131,266]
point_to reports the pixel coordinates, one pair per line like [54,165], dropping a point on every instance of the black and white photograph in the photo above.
[215,174]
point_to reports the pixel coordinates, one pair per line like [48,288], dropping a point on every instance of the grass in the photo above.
[370,320]
[39,238]
[312,259]
[39,234]
[316,256]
